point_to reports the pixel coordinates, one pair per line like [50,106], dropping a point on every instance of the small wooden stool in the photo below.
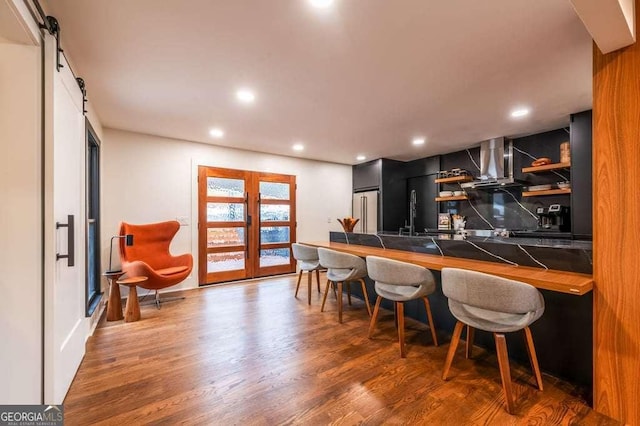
[114,307]
[132,309]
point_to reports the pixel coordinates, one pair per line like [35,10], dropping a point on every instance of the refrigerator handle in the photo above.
[365,226]
[362,216]
[361,212]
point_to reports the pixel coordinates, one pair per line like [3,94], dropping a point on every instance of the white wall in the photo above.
[21,230]
[151,179]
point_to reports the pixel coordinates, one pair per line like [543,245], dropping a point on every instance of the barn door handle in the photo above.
[70,256]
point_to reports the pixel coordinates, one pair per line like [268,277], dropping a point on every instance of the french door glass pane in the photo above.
[225,212]
[220,262]
[274,212]
[273,257]
[274,234]
[222,237]
[274,191]
[224,187]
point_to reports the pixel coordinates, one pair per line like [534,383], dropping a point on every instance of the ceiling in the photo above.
[362,77]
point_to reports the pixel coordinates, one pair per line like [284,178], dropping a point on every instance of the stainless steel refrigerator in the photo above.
[365,208]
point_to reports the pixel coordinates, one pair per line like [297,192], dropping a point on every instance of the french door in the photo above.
[246,224]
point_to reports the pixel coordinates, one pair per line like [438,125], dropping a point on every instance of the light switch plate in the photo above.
[183,220]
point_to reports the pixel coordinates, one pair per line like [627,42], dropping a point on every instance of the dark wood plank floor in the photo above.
[251,353]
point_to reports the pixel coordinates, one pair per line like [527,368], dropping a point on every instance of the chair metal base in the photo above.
[157,301]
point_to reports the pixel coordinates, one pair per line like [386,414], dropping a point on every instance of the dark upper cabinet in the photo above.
[581,175]
[367,175]
[388,177]
[422,167]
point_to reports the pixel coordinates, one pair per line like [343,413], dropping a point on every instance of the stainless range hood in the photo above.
[496,165]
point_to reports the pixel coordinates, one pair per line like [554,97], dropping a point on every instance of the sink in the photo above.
[467,232]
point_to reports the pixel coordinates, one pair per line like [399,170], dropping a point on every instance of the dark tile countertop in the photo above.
[559,254]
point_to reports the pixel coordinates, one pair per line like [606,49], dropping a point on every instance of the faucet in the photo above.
[412,212]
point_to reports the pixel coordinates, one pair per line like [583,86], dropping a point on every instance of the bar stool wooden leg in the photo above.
[324,298]
[427,306]
[340,284]
[309,276]
[457,331]
[298,286]
[318,279]
[132,309]
[348,283]
[531,350]
[366,296]
[470,335]
[400,310]
[374,318]
[505,373]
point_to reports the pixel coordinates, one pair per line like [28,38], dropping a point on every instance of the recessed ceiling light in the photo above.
[418,141]
[298,147]
[246,96]
[361,157]
[216,132]
[321,4]
[520,112]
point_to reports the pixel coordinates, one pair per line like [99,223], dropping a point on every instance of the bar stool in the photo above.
[308,261]
[493,304]
[400,282]
[343,268]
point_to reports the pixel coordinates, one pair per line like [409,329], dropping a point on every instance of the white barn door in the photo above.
[64,287]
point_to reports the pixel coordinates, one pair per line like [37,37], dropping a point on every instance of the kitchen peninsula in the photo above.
[419,250]
[560,269]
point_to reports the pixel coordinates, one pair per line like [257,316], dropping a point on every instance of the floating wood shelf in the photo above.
[546,192]
[455,179]
[457,198]
[546,168]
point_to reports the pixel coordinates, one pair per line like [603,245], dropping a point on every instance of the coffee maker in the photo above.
[554,218]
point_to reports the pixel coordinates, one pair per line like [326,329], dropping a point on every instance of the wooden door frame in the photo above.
[252,231]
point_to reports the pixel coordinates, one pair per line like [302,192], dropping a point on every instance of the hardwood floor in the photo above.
[251,353]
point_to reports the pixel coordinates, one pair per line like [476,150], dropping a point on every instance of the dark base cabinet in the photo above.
[581,172]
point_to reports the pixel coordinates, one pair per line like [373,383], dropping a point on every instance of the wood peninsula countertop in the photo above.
[547,279]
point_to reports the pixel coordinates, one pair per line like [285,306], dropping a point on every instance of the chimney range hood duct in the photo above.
[496,165]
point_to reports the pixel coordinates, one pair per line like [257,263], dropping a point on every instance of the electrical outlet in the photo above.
[183,220]
[328,220]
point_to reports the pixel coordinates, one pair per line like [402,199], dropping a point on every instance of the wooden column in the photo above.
[616,236]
